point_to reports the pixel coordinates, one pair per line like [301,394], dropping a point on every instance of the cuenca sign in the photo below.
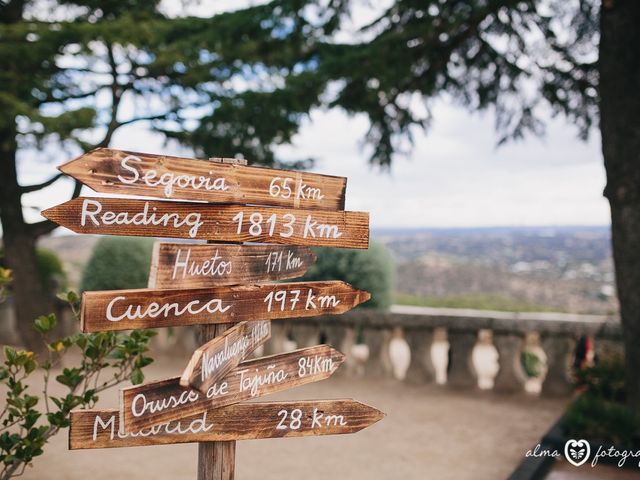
[128,309]
[131,173]
[180,265]
[235,223]
[242,421]
[217,357]
[143,406]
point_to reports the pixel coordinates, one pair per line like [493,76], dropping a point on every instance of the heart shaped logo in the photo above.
[577,451]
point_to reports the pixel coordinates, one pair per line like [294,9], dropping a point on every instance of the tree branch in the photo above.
[52,99]
[47,226]
[116,96]
[39,186]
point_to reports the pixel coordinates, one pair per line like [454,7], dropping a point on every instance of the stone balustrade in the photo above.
[462,348]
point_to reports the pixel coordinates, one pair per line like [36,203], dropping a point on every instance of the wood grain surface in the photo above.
[242,421]
[145,308]
[143,406]
[234,223]
[183,265]
[132,173]
[213,360]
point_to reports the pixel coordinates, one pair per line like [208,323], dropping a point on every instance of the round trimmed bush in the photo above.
[372,270]
[118,263]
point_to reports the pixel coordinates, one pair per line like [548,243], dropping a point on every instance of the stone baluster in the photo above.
[509,378]
[440,355]
[341,338]
[305,335]
[275,344]
[484,358]
[335,334]
[399,354]
[461,372]
[559,351]
[378,363]
[352,366]
[421,366]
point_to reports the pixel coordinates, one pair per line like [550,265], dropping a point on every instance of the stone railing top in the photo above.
[496,314]
[410,317]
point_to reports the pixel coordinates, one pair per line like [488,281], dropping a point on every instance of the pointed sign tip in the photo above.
[377,414]
[363,296]
[48,213]
[338,354]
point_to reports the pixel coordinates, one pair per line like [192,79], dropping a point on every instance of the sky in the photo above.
[455,175]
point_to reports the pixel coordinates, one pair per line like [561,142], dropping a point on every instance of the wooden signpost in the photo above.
[218,287]
[144,308]
[242,421]
[143,406]
[132,173]
[180,265]
[213,360]
[229,223]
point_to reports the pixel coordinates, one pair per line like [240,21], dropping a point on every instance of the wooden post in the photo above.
[216,460]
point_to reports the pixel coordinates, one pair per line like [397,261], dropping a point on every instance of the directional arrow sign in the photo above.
[180,265]
[243,421]
[144,308]
[235,223]
[220,355]
[130,173]
[143,406]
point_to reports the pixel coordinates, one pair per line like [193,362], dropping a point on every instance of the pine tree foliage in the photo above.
[241,82]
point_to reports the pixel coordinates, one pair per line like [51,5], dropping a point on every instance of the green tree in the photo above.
[66,67]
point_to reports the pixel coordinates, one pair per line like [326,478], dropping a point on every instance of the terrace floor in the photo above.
[430,432]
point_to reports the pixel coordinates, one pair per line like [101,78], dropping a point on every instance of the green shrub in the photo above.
[50,269]
[372,270]
[117,263]
[600,413]
[594,417]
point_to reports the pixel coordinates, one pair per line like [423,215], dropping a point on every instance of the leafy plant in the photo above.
[27,421]
[600,413]
[604,379]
